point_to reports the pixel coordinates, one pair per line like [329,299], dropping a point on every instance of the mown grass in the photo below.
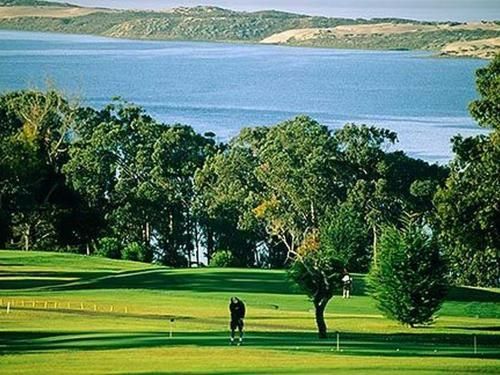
[125,323]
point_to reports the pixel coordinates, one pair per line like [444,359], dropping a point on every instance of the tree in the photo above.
[35,129]
[318,271]
[486,109]
[408,280]
[468,206]
[300,178]
[323,257]
[363,151]
[345,234]
[139,174]
[225,188]
[468,211]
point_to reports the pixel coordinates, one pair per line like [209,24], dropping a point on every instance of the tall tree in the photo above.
[408,280]
[469,204]
[139,174]
[35,129]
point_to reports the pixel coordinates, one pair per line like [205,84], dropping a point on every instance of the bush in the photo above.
[223,258]
[408,280]
[109,247]
[134,251]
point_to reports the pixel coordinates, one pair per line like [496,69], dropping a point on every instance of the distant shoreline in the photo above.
[217,25]
[424,53]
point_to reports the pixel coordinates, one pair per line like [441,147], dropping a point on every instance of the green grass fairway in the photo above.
[72,314]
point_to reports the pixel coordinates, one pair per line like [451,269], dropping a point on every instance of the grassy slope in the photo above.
[133,336]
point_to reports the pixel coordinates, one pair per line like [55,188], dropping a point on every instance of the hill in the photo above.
[208,23]
[89,315]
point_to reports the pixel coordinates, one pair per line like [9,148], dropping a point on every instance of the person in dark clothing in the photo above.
[237,310]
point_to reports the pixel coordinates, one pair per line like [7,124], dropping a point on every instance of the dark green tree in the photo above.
[139,174]
[345,235]
[409,278]
[486,109]
[468,206]
[35,130]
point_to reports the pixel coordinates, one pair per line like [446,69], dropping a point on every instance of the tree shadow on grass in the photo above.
[22,280]
[245,281]
[470,294]
[369,344]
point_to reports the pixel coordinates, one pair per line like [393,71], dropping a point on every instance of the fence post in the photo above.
[81,305]
[95,307]
[338,341]
[8,307]
[111,309]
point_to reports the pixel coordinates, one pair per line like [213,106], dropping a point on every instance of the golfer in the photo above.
[237,310]
[347,285]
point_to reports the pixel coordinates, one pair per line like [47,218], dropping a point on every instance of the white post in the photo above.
[126,310]
[111,309]
[171,327]
[8,307]
[81,305]
[46,304]
[338,341]
[475,344]
[55,305]
[95,307]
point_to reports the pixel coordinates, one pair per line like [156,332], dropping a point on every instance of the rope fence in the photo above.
[8,305]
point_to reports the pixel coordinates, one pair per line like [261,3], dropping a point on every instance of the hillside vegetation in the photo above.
[206,23]
[90,315]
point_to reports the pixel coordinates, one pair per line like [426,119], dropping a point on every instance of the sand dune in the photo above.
[54,12]
[484,48]
[378,28]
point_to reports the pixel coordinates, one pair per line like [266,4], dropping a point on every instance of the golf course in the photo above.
[74,314]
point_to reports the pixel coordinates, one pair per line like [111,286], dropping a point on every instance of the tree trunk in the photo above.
[374,244]
[197,244]
[320,307]
[148,234]
[210,243]
[27,234]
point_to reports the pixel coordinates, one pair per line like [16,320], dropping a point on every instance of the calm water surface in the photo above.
[224,87]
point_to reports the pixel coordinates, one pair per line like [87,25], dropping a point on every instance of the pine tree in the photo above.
[408,281]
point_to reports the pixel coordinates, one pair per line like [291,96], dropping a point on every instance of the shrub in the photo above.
[109,247]
[223,258]
[134,251]
[408,281]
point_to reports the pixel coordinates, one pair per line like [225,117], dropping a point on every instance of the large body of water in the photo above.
[224,87]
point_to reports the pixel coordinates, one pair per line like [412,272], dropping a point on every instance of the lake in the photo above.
[224,87]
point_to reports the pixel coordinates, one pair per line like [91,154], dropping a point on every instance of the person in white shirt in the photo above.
[347,285]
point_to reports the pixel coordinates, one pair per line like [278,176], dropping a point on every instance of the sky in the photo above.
[431,10]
